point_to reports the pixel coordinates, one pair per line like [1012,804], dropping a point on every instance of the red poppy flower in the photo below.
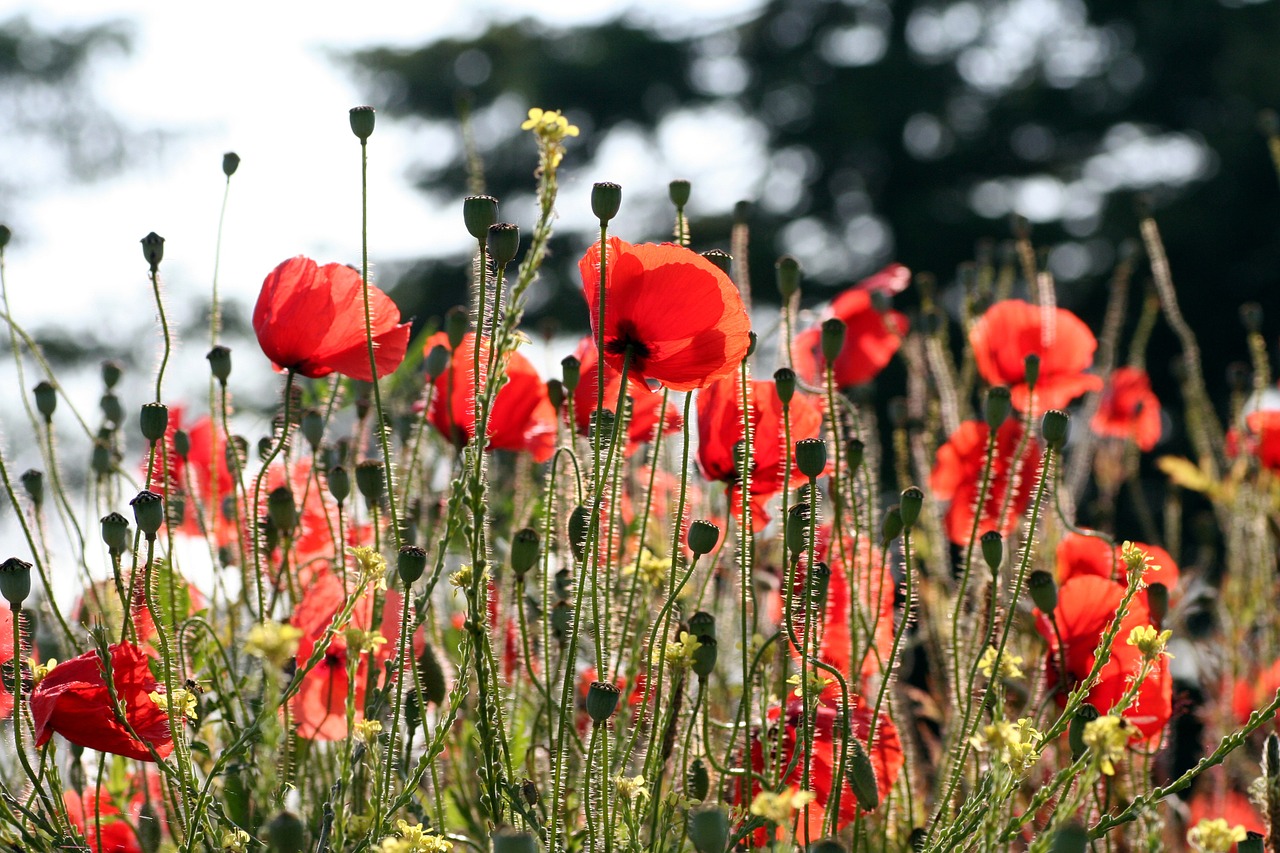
[677,313]
[647,414]
[310,319]
[870,339]
[957,477]
[1086,606]
[192,479]
[886,757]
[97,818]
[1264,438]
[1254,691]
[1129,408]
[73,701]
[1012,330]
[522,417]
[720,430]
[1213,799]
[313,548]
[1088,555]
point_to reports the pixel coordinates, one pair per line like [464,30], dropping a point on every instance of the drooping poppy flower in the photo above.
[1086,606]
[310,319]
[521,418]
[871,338]
[1088,555]
[1012,330]
[720,430]
[1129,408]
[676,314]
[104,827]
[887,759]
[957,477]
[647,414]
[73,701]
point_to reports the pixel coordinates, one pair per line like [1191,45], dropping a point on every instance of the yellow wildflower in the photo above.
[40,670]
[360,641]
[413,838]
[1150,642]
[461,578]
[650,570]
[817,682]
[778,808]
[1013,743]
[632,788]
[371,566]
[184,702]
[679,654]
[1215,836]
[235,841]
[1010,664]
[1137,561]
[274,642]
[1107,737]
[550,128]
[368,730]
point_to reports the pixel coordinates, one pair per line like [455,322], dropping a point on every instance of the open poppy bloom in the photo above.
[957,477]
[521,418]
[73,701]
[1129,408]
[104,827]
[672,315]
[1263,439]
[1088,555]
[1213,799]
[1012,330]
[192,479]
[310,319]
[720,430]
[871,338]
[1086,606]
[647,414]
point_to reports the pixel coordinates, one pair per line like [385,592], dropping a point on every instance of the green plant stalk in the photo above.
[257,492]
[17,718]
[746,551]
[956,612]
[405,664]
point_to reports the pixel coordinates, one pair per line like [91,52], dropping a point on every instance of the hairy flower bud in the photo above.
[606,198]
[362,121]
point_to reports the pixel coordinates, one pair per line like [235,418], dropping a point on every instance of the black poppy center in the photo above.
[628,340]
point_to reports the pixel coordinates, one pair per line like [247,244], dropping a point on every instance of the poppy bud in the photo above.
[678,191]
[437,362]
[909,506]
[220,363]
[1044,591]
[1055,427]
[862,776]
[1070,838]
[153,421]
[563,584]
[46,400]
[529,791]
[1085,714]
[33,482]
[917,838]
[570,372]
[709,830]
[479,212]
[993,549]
[456,325]
[703,536]
[181,443]
[115,533]
[833,330]
[998,406]
[555,393]
[819,583]
[431,674]
[891,527]
[601,425]
[826,845]
[524,550]
[1251,317]
[579,521]
[411,563]
[5,235]
[719,257]
[1271,757]
[702,625]
[313,428]
[1031,369]
[230,162]
[153,250]
[237,452]
[741,212]
[504,242]
[148,828]
[339,484]
[362,121]
[811,456]
[784,380]
[264,448]
[111,372]
[112,411]
[285,833]
[704,657]
[561,618]
[1158,602]
[606,198]
[602,701]
[788,274]
[698,783]
[371,480]
[508,840]
[854,451]
[797,527]
[1252,842]
[148,512]
[752,340]
[100,457]
[15,581]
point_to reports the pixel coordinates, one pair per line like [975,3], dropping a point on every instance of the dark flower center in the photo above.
[628,339]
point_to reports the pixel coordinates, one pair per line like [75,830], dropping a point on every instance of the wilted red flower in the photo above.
[1012,330]
[521,418]
[73,701]
[1264,438]
[647,414]
[1086,606]
[720,430]
[957,477]
[310,319]
[1088,555]
[1129,408]
[677,313]
[871,337]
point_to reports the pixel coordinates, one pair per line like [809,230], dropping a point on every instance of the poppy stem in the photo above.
[16,611]
[263,611]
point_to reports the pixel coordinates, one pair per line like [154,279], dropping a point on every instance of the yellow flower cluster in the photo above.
[551,128]
[817,682]
[1010,664]
[1107,737]
[235,841]
[413,838]
[40,670]
[360,641]
[1013,743]
[371,566]
[274,642]
[1137,561]
[632,788]
[679,654]
[184,702]
[778,808]
[1215,836]
[650,570]
[1150,642]
[367,731]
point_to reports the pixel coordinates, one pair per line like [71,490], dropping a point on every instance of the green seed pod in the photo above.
[602,701]
[698,783]
[862,776]
[1044,591]
[115,533]
[720,258]
[33,483]
[437,362]
[504,242]
[826,845]
[431,674]
[570,372]
[1055,427]
[456,325]
[854,451]
[702,625]
[909,507]
[606,199]
[678,191]
[917,838]
[371,480]
[1070,838]
[111,373]
[993,549]
[579,525]
[181,444]
[1271,758]
[1085,714]
[479,212]
[339,483]
[819,582]
[525,546]
[220,363]
[153,250]
[784,380]
[998,406]
[313,428]
[703,536]
[148,829]
[230,162]
[704,657]
[112,410]
[101,458]
[6,234]
[284,515]
[509,840]
[286,833]
[153,421]
[148,512]
[833,330]
[1158,602]
[891,527]
[709,830]
[1031,369]
[797,532]
[411,562]
[563,585]
[46,400]
[556,393]
[788,274]
[362,121]
[15,581]
[811,456]
[562,618]
[1252,843]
